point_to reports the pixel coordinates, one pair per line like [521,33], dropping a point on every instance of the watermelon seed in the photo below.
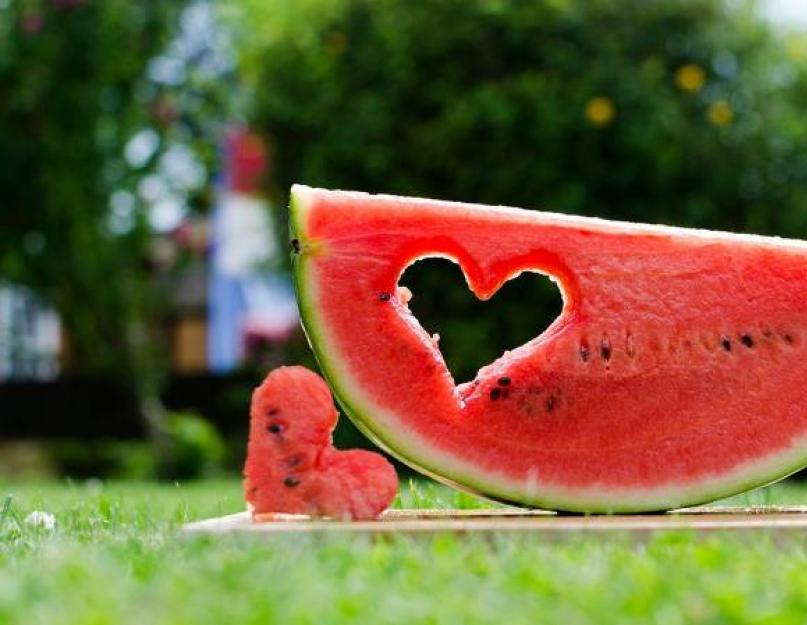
[583,352]
[550,403]
[746,340]
[503,381]
[495,393]
[291,481]
[295,246]
[605,350]
[788,339]
[726,343]
[630,348]
[273,411]
[384,296]
[275,428]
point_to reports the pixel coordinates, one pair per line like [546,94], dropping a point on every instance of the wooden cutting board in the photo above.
[705,518]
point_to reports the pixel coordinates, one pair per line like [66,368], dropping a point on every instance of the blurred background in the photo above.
[147,148]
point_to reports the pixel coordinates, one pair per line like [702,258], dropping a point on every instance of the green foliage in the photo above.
[686,112]
[74,92]
[497,102]
[192,448]
[71,95]
[197,447]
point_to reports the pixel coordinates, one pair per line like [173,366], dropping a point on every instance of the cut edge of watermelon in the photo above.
[416,452]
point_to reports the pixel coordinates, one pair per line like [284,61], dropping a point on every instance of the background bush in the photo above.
[73,92]
[684,112]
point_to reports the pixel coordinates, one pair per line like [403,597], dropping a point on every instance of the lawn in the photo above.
[115,556]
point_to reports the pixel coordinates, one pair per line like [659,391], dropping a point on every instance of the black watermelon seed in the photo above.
[746,340]
[495,393]
[275,428]
[583,352]
[788,339]
[503,381]
[384,296]
[605,350]
[291,481]
[295,245]
[550,404]
[726,343]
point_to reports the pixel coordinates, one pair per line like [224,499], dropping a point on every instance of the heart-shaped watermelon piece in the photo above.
[292,466]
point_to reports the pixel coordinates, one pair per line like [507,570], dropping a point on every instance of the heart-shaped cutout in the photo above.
[474,332]
[292,466]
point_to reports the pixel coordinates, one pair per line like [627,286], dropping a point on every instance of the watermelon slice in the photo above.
[674,375]
[291,465]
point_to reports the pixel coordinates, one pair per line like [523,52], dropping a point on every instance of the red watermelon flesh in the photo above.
[675,373]
[292,466]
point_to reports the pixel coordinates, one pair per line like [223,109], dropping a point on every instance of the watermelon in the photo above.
[292,466]
[675,373]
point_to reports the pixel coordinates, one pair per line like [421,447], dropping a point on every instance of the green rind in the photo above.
[610,501]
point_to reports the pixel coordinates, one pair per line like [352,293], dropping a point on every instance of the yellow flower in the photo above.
[690,77]
[720,113]
[600,111]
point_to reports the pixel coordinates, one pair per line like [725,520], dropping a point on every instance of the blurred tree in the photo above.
[72,94]
[685,112]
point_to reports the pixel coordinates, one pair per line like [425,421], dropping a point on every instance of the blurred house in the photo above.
[250,299]
[232,300]
[30,336]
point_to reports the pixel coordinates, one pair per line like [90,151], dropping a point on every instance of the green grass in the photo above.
[116,556]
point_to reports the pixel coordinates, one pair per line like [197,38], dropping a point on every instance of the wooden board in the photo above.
[780,518]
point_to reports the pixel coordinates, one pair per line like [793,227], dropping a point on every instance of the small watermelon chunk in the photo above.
[292,466]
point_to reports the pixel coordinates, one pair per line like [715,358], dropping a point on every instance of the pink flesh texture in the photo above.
[291,419]
[632,387]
